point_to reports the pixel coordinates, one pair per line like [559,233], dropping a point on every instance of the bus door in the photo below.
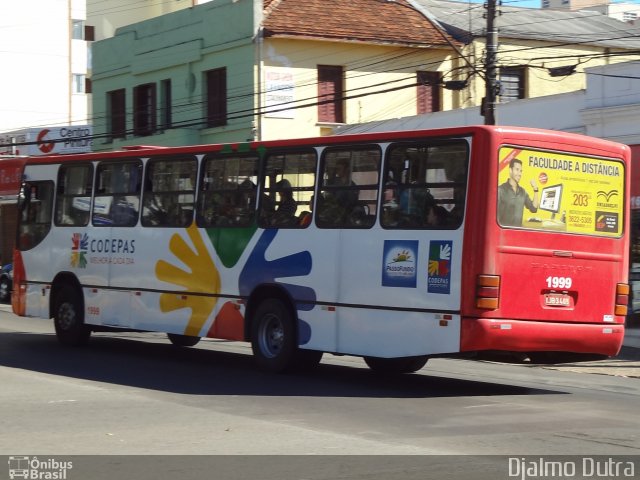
[383,266]
[75,242]
[32,261]
[115,213]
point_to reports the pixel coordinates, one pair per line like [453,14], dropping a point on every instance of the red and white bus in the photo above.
[391,246]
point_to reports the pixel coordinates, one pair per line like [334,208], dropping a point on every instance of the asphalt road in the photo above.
[136,394]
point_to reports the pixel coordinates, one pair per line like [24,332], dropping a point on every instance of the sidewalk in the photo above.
[626,364]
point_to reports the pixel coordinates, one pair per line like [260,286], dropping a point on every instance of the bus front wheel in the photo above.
[183,340]
[274,341]
[396,365]
[69,318]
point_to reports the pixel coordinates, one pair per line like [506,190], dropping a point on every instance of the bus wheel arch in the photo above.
[67,309]
[271,324]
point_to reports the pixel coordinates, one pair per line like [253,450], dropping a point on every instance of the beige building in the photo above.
[541,52]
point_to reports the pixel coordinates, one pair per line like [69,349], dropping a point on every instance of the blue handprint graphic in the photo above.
[258,270]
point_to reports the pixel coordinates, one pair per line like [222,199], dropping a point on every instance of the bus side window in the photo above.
[432,184]
[287,189]
[169,192]
[227,196]
[73,198]
[117,201]
[349,189]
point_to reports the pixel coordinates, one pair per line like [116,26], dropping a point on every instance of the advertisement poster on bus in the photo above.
[562,192]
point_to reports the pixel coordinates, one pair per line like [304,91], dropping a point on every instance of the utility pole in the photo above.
[491,75]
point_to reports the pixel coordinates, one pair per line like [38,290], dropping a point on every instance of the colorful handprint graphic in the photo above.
[202,276]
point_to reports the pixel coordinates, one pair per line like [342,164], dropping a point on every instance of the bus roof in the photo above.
[504,133]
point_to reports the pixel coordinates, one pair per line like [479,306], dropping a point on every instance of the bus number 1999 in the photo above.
[559,282]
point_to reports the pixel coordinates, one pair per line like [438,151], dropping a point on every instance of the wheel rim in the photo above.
[66,316]
[271,337]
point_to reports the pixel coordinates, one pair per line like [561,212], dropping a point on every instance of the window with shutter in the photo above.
[428,99]
[89,33]
[512,85]
[144,109]
[216,97]
[116,114]
[330,94]
[165,104]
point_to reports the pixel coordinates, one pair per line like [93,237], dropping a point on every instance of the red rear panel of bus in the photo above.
[557,274]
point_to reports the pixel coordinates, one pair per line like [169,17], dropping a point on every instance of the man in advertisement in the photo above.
[513,198]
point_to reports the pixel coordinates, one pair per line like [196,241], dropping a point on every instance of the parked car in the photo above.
[6,282]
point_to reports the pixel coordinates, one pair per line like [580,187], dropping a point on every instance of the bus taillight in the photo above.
[19,295]
[488,291]
[622,299]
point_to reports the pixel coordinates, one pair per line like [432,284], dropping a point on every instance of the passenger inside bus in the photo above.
[285,213]
[339,203]
[305,216]
[341,178]
[244,203]
[434,215]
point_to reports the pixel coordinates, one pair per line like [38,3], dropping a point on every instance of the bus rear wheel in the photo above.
[274,341]
[396,365]
[68,318]
[183,340]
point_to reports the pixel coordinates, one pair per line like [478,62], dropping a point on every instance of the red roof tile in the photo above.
[374,21]
[267,3]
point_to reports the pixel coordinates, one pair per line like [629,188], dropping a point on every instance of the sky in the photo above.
[538,3]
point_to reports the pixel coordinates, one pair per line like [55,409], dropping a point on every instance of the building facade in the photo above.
[242,70]
[46,54]
[45,51]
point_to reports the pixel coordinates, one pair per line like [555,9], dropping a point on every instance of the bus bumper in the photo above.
[480,334]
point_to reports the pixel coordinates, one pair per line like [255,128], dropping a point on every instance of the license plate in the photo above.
[557,300]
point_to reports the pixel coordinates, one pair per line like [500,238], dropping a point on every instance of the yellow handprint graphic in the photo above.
[203,277]
[434,267]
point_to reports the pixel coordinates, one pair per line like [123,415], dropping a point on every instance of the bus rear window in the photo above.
[560,192]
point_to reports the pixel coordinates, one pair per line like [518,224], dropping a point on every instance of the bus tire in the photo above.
[396,365]
[273,336]
[68,318]
[182,340]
